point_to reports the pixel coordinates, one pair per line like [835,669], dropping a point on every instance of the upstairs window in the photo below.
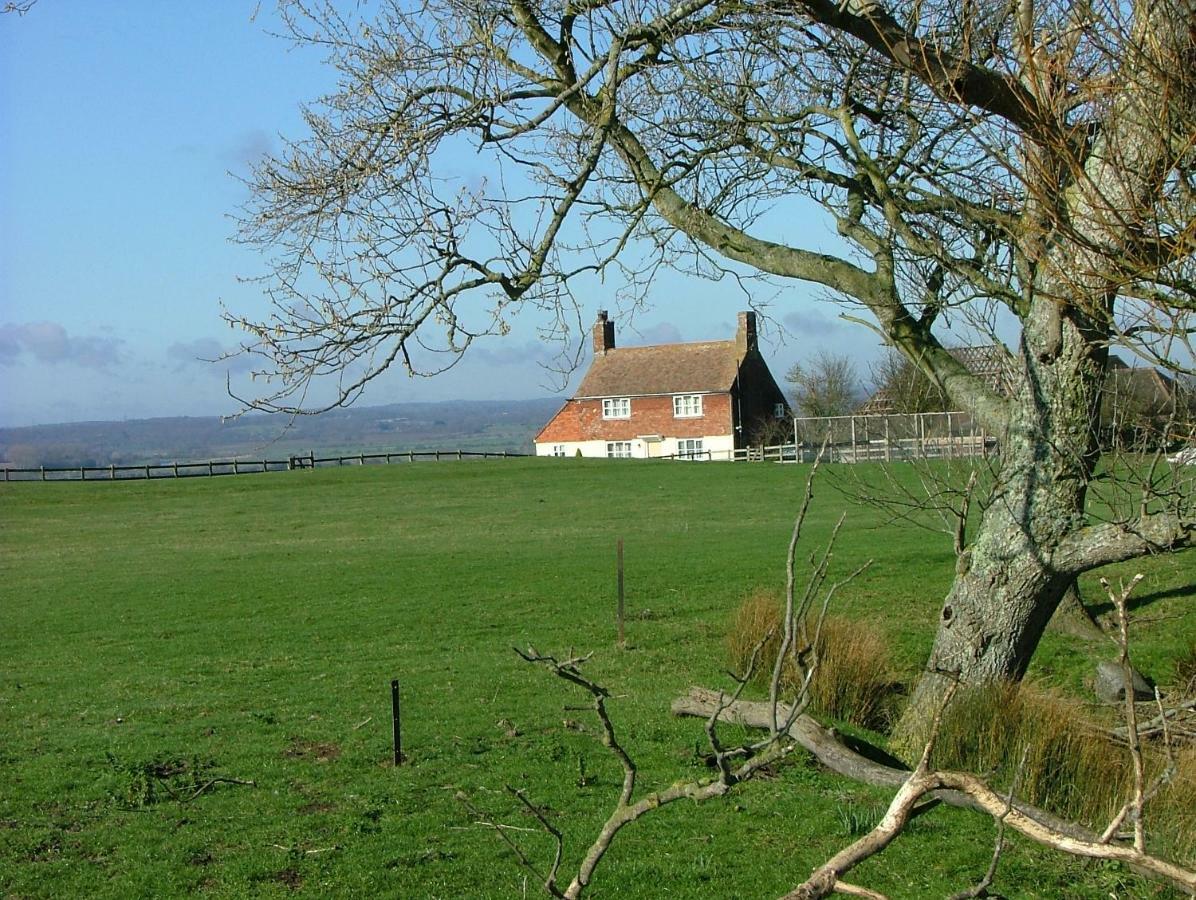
[778,411]
[687,406]
[616,408]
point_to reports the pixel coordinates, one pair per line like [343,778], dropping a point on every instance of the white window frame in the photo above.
[616,408]
[690,448]
[558,449]
[618,449]
[778,411]
[687,406]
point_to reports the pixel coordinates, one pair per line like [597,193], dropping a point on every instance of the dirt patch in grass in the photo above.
[289,877]
[320,751]
[308,809]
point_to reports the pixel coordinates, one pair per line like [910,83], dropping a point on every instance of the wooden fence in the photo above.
[242,466]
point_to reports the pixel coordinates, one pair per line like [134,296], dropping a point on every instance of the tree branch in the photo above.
[1099,545]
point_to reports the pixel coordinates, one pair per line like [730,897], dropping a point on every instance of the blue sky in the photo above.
[122,129]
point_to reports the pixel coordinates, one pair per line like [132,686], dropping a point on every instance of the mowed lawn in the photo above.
[155,636]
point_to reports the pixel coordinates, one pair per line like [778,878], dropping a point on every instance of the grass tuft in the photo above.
[1184,667]
[1072,766]
[854,681]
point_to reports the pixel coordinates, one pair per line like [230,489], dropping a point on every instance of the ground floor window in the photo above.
[689,448]
[618,449]
[558,449]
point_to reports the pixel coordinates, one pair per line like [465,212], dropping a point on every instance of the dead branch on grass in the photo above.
[212,782]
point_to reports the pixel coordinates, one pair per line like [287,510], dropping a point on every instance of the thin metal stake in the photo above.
[395,713]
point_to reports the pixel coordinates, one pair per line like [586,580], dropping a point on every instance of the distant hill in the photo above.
[467,425]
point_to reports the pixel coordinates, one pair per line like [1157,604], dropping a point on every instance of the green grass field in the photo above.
[157,635]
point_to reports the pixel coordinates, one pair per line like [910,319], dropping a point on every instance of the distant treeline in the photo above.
[484,425]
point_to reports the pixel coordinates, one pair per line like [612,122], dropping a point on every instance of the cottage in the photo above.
[694,401]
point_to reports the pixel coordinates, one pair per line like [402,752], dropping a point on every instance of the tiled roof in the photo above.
[705,366]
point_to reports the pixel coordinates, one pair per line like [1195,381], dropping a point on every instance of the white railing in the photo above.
[890,438]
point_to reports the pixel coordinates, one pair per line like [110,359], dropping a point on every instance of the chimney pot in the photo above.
[604,334]
[745,337]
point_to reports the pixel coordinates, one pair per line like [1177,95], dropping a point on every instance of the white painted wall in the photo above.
[718,446]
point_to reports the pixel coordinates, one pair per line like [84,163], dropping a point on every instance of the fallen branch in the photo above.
[212,782]
[314,852]
[1157,724]
[830,752]
[920,784]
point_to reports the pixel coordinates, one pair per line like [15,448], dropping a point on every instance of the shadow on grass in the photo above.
[1140,601]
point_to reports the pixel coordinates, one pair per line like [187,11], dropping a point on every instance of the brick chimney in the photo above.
[745,337]
[604,334]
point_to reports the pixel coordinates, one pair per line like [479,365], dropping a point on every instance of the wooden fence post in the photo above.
[82,473]
[619,567]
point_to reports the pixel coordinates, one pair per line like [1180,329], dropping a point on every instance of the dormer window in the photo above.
[687,406]
[616,408]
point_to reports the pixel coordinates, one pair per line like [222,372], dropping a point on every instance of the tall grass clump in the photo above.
[1184,666]
[854,679]
[1060,758]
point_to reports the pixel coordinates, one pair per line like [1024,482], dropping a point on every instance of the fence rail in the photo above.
[211,468]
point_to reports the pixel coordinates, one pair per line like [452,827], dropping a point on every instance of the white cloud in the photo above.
[49,342]
[208,355]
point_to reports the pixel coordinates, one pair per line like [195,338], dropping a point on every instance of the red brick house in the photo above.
[697,400]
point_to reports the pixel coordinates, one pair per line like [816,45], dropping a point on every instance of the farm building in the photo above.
[694,401]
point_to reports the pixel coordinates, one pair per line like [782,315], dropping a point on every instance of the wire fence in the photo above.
[211,468]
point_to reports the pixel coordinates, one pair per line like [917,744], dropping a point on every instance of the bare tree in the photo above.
[827,385]
[1029,162]
[903,388]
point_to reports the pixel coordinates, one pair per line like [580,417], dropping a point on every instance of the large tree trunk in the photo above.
[1006,586]
[1075,227]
